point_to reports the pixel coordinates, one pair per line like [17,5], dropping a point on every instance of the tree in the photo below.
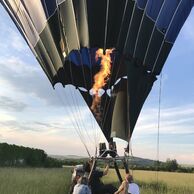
[171,165]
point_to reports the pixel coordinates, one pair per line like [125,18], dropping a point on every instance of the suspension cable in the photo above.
[158,128]
[73,120]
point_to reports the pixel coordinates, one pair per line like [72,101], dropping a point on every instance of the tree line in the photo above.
[171,165]
[20,156]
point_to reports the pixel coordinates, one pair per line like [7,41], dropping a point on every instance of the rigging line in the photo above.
[80,115]
[158,127]
[116,77]
[129,132]
[91,78]
[113,64]
[139,30]
[94,128]
[83,72]
[72,82]
[79,129]
[87,98]
[132,15]
[73,97]
[181,1]
[122,22]
[74,122]
[117,73]
[148,46]
[106,24]
[132,156]
[78,124]
[74,117]
[105,111]
[77,104]
[104,51]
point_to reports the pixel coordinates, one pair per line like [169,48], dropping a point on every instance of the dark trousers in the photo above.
[105,189]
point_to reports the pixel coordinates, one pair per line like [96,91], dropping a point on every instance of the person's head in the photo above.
[88,165]
[83,180]
[129,178]
[75,180]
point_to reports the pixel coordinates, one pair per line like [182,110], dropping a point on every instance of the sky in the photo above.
[34,114]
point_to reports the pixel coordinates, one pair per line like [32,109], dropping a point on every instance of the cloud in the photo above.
[175,135]
[9,104]
[52,143]
[17,42]
[11,41]
[30,80]
[30,126]
[26,79]
[6,117]
[172,120]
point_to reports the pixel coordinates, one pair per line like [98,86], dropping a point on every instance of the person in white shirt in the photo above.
[82,186]
[128,186]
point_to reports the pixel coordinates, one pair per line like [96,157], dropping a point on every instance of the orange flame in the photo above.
[101,77]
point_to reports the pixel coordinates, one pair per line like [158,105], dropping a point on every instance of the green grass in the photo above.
[34,181]
[57,181]
[167,183]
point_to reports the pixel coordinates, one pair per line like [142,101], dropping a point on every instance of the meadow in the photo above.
[57,181]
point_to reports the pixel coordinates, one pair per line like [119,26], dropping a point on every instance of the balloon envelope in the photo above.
[64,35]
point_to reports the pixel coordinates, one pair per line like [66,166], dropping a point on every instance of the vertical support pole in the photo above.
[118,172]
[126,167]
[92,168]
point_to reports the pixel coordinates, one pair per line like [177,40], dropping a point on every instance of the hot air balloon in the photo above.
[65,35]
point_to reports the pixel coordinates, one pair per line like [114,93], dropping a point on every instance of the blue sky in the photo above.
[32,114]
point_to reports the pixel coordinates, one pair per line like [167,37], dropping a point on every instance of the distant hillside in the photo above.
[135,161]
[60,157]
[141,161]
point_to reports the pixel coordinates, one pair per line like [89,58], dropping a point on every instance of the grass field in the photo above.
[57,181]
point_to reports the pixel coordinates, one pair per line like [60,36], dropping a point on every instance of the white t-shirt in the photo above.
[81,189]
[133,188]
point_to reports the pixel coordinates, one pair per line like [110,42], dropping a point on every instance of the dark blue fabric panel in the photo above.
[141,3]
[84,56]
[153,8]
[179,19]
[49,7]
[166,14]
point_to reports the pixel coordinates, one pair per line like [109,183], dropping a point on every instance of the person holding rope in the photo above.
[82,186]
[128,186]
[97,186]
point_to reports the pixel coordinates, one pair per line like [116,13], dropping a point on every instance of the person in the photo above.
[82,186]
[73,183]
[97,186]
[128,186]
